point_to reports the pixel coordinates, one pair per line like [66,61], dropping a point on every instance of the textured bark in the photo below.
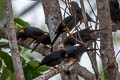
[82,71]
[53,18]
[110,65]
[13,42]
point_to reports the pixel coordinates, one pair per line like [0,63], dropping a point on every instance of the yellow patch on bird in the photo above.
[22,30]
[82,20]
[71,35]
[70,3]
[72,59]
[66,29]
[63,47]
[66,55]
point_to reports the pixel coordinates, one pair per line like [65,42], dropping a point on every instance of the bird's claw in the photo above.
[53,69]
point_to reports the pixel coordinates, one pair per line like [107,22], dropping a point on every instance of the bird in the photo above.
[114,10]
[66,25]
[73,52]
[52,59]
[44,39]
[75,9]
[85,36]
[38,35]
[29,32]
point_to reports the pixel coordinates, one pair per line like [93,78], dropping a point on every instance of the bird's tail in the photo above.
[35,46]
[55,38]
[39,41]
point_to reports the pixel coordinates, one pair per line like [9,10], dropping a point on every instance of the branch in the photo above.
[13,42]
[87,75]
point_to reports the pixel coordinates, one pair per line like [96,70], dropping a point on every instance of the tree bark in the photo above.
[13,42]
[110,65]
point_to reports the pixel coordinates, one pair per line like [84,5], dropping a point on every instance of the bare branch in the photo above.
[82,71]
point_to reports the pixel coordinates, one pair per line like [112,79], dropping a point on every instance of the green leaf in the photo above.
[28,73]
[7,59]
[7,73]
[21,22]
[0,64]
[33,63]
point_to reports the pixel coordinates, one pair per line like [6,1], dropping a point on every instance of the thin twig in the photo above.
[91,8]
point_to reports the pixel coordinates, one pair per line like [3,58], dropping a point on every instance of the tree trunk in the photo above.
[13,42]
[110,66]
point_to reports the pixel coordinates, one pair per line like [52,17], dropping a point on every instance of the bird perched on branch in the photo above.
[67,25]
[29,32]
[85,36]
[73,53]
[75,9]
[36,34]
[57,57]
[53,59]
[114,10]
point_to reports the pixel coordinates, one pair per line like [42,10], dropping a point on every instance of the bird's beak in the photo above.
[70,3]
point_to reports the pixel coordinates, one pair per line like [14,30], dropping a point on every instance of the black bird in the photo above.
[29,32]
[67,25]
[75,9]
[36,34]
[73,53]
[53,59]
[44,39]
[114,10]
[85,35]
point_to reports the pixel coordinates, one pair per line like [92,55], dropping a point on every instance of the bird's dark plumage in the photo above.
[29,32]
[85,35]
[69,22]
[53,59]
[36,34]
[75,51]
[114,10]
[75,9]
